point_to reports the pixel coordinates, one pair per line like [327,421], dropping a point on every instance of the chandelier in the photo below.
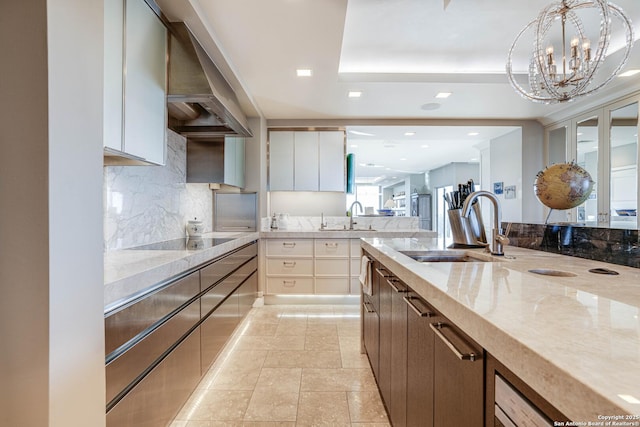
[561,70]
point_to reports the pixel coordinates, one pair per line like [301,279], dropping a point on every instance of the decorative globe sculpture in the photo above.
[563,186]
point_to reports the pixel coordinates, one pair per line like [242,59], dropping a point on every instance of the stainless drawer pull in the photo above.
[366,308]
[289,244]
[331,245]
[288,283]
[290,264]
[462,356]
[409,301]
[392,282]
[382,272]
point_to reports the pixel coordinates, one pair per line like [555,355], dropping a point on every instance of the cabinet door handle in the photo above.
[289,244]
[436,327]
[288,283]
[289,263]
[392,282]
[409,300]
[366,308]
[382,272]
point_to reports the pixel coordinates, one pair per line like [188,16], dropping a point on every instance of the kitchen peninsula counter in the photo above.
[575,340]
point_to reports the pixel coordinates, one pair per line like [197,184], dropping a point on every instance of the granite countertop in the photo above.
[575,340]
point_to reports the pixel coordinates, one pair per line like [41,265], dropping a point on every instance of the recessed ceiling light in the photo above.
[443,95]
[409,133]
[304,72]
[473,160]
[354,145]
[424,146]
[629,73]
[403,158]
[579,134]
[473,134]
[355,94]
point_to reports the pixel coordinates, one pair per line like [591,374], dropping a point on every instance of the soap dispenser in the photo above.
[274,222]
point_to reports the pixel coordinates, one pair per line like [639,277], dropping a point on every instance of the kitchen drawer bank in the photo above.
[160,344]
[573,340]
[128,273]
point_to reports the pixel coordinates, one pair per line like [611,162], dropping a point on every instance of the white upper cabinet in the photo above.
[306,161]
[332,161]
[135,82]
[234,161]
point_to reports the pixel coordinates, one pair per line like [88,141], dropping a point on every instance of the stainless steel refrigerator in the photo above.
[235,211]
[421,207]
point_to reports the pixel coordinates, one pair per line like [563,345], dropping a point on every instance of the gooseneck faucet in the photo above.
[498,239]
[351,216]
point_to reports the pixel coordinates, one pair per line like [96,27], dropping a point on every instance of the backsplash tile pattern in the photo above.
[148,204]
[610,245]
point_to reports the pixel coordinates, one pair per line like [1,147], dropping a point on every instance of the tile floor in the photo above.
[289,366]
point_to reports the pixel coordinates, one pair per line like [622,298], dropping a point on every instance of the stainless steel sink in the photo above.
[442,256]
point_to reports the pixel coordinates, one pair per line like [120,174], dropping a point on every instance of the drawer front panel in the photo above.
[332,248]
[216,330]
[290,285]
[125,368]
[123,325]
[290,247]
[220,291]
[215,272]
[332,267]
[290,266]
[332,286]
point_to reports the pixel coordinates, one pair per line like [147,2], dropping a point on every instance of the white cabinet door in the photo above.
[306,158]
[332,161]
[281,161]
[113,76]
[145,83]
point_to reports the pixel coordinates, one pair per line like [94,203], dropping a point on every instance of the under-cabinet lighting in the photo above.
[304,72]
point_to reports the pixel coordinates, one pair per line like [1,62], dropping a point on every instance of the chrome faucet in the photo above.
[351,216]
[498,239]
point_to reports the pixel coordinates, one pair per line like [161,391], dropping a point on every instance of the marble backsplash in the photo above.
[615,246]
[148,204]
[311,223]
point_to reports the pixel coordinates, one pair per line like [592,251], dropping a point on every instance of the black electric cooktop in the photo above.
[187,244]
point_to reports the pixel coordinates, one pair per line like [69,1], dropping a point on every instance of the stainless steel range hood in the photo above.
[201,102]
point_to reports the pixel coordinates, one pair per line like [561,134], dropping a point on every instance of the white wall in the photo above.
[51,268]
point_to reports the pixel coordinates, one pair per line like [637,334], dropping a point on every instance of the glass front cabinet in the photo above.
[603,141]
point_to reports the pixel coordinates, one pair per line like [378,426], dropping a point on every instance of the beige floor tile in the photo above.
[322,329]
[268,424]
[348,343]
[215,405]
[292,327]
[348,329]
[214,424]
[293,342]
[280,379]
[303,359]
[370,425]
[322,342]
[366,406]
[323,409]
[272,405]
[257,328]
[240,371]
[344,379]
[354,359]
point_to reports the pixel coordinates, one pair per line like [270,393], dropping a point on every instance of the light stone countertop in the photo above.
[575,340]
[129,272]
[344,234]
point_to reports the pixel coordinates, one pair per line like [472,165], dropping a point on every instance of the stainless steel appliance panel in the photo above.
[123,370]
[156,400]
[220,291]
[125,324]
[235,211]
[214,272]
[216,330]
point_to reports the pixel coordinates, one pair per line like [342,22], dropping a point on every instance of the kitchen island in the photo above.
[574,340]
